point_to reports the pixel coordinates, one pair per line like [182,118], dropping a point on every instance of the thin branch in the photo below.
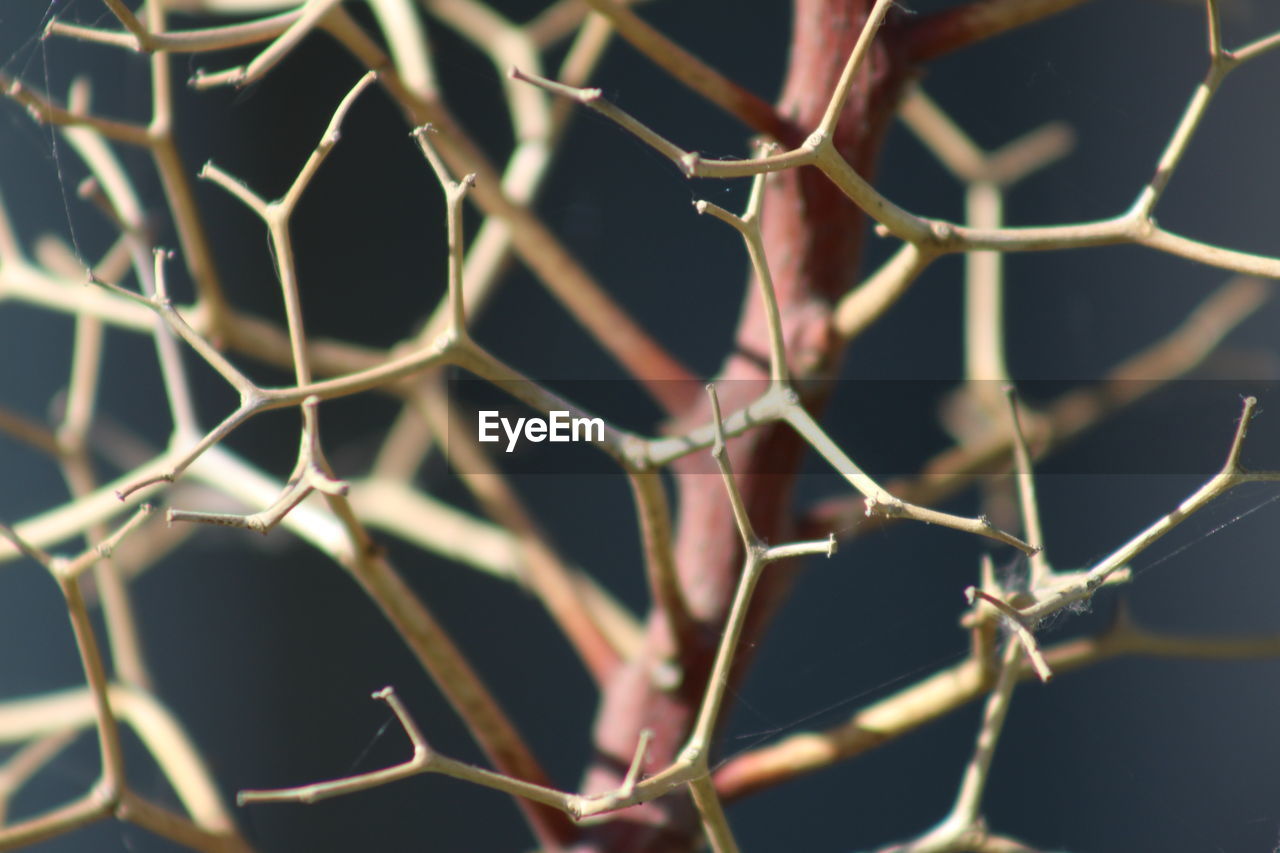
[719,452]
[558,20]
[1082,585]
[1029,507]
[110,749]
[987,176]
[881,502]
[1020,628]
[177,388]
[689,162]
[594,98]
[73,568]
[28,431]
[332,133]
[507,45]
[714,822]
[309,475]
[690,765]
[58,821]
[542,567]
[1212,12]
[858,309]
[45,111]
[407,42]
[130,21]
[1256,48]
[935,35]
[23,765]
[922,702]
[963,828]
[159,731]
[118,198]
[192,238]
[694,73]
[526,167]
[449,668]
[1182,135]
[341,533]
[827,126]
[936,236]
[1075,412]
[309,17]
[181,41]
[435,526]
[454,192]
[174,827]
[654,519]
[748,225]
[426,760]
[954,687]
[589,303]
[420,762]
[11,254]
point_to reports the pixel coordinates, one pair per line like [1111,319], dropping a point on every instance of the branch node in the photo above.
[943,233]
[1020,627]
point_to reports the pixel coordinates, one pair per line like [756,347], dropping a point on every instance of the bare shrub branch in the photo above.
[666,672]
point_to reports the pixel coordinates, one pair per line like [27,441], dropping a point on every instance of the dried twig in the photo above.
[684,658]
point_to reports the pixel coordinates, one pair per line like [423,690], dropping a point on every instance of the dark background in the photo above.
[268,652]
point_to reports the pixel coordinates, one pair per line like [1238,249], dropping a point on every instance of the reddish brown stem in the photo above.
[812,241]
[936,35]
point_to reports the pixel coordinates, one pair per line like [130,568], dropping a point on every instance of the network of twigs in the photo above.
[334,512]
